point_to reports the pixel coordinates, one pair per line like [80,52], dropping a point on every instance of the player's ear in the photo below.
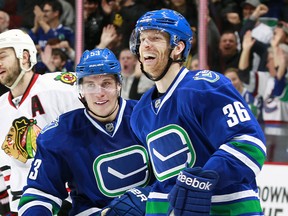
[177,51]
[26,57]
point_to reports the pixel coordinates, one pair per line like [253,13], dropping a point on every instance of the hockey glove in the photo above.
[132,203]
[192,192]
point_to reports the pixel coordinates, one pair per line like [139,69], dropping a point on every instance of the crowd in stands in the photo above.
[247,41]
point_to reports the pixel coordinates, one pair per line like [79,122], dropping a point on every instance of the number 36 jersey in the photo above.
[201,120]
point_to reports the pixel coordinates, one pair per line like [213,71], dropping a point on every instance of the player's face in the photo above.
[154,51]
[9,66]
[101,93]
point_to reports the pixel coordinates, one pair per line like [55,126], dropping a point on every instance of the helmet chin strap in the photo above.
[20,76]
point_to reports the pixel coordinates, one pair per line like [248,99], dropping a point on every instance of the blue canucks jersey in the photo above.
[97,162]
[203,121]
[60,33]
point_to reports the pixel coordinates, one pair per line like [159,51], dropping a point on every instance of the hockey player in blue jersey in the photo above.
[93,150]
[205,145]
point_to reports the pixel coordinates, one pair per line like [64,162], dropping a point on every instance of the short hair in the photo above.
[231,69]
[56,6]
[61,53]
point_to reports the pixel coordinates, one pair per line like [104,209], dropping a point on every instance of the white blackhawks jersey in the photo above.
[21,120]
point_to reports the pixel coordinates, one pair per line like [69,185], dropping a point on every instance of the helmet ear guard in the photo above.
[164,20]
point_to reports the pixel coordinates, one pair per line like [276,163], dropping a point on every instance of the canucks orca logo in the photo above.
[52,124]
[168,160]
[118,171]
[207,75]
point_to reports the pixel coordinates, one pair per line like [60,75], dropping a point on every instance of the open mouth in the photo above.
[149,58]
[101,102]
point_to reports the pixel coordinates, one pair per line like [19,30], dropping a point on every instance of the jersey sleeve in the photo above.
[233,131]
[46,180]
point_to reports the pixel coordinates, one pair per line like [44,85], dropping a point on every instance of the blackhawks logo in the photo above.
[66,77]
[20,141]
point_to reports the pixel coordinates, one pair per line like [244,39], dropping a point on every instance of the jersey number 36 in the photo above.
[236,113]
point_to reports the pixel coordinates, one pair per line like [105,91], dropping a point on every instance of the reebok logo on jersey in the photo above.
[194,182]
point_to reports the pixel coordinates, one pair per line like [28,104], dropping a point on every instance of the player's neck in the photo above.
[163,84]
[109,118]
[23,84]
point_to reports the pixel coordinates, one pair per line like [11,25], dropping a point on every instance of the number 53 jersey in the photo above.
[201,120]
[98,162]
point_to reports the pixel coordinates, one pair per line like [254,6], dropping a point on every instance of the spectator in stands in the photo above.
[55,59]
[47,28]
[134,83]
[252,11]
[124,19]
[263,83]
[47,25]
[93,23]
[4,21]
[154,4]
[68,16]
[95,20]
[231,18]
[185,7]
[232,74]
[111,39]
[281,87]
[282,30]
[284,11]
[194,65]
[231,21]
[46,57]
[227,55]
[26,13]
